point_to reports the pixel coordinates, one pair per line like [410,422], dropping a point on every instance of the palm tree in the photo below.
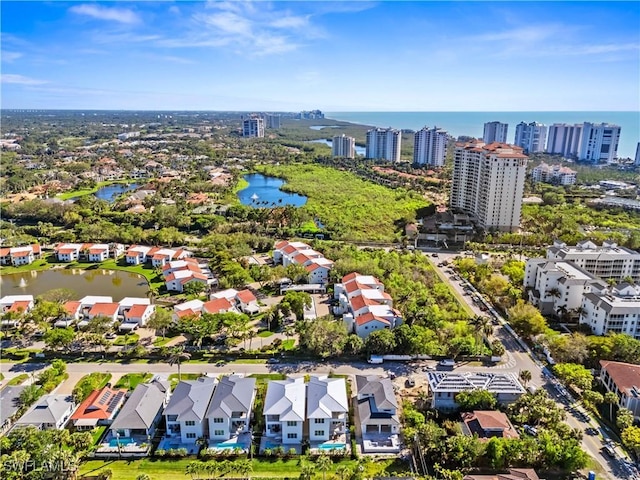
[176,356]
[525,376]
[553,292]
[193,469]
[307,471]
[324,463]
[244,468]
[612,399]
[143,476]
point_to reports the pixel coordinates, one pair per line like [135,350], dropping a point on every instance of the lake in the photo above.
[265,192]
[113,191]
[359,150]
[320,127]
[98,281]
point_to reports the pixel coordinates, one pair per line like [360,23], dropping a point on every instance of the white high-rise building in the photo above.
[637,160]
[343,146]
[384,144]
[488,183]
[563,139]
[430,147]
[253,126]
[599,142]
[531,136]
[554,174]
[272,120]
[495,132]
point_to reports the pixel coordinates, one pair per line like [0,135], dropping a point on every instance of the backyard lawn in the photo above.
[131,380]
[175,469]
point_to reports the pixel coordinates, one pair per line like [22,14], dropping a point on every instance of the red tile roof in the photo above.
[136,311]
[36,248]
[66,251]
[245,296]
[218,305]
[72,307]
[106,309]
[486,423]
[4,252]
[100,404]
[624,375]
[281,244]
[187,313]
[370,317]
[19,306]
[21,254]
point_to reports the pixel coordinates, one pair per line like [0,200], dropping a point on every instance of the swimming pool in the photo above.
[122,441]
[332,446]
[229,446]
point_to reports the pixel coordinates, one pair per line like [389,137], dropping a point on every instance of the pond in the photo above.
[264,192]
[359,150]
[113,191]
[99,281]
[320,127]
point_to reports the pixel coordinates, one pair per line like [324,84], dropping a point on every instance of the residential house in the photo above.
[99,408]
[623,379]
[444,386]
[72,313]
[178,273]
[364,305]
[137,254]
[218,305]
[19,304]
[68,252]
[137,316]
[192,308]
[230,409]
[487,424]
[142,411]
[378,422]
[141,254]
[513,474]
[109,310]
[49,412]
[97,252]
[284,410]
[300,253]
[327,408]
[243,301]
[185,414]
[612,308]
[17,256]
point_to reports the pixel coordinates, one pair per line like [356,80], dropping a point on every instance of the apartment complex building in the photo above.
[608,261]
[343,146]
[253,127]
[554,174]
[488,183]
[383,144]
[272,121]
[612,309]
[531,137]
[430,147]
[495,132]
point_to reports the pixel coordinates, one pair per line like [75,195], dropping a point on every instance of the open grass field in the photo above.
[131,380]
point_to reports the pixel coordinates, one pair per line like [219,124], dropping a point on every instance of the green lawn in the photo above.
[18,380]
[36,266]
[155,280]
[250,361]
[128,339]
[89,191]
[288,345]
[131,380]
[265,333]
[266,377]
[173,378]
[97,432]
[175,469]
[159,341]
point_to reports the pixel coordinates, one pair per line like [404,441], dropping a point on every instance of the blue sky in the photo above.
[336,56]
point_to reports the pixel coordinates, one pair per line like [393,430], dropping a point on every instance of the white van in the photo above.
[447,363]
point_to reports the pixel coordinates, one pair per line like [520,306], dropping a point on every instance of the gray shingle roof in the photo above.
[326,396]
[48,409]
[380,388]
[191,398]
[286,398]
[142,406]
[233,394]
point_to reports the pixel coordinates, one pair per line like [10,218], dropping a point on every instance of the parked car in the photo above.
[110,336]
[608,450]
[273,360]
[447,363]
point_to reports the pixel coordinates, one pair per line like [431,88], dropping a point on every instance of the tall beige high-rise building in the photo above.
[430,147]
[343,146]
[488,183]
[253,126]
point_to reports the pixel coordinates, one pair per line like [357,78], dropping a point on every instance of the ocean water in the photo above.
[472,123]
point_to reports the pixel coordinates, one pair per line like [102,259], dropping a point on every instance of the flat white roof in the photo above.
[93,299]
[11,299]
[572,271]
[191,304]
[130,301]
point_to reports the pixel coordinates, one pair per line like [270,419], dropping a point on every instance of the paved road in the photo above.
[519,357]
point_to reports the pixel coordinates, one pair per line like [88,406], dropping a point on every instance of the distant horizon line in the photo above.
[296,111]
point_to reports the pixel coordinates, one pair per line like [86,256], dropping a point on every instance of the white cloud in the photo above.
[20,79]
[10,56]
[291,21]
[121,15]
